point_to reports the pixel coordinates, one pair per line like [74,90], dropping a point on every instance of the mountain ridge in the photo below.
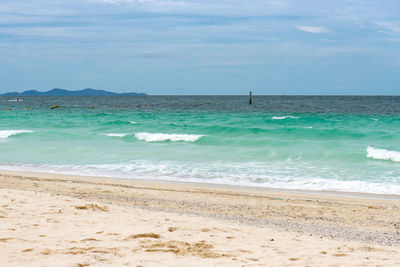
[64,92]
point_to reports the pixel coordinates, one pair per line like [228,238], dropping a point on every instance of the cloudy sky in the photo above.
[202,46]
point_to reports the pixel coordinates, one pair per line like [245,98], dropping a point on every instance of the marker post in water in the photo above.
[250,98]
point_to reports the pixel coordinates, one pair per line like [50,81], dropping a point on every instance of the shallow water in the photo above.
[295,142]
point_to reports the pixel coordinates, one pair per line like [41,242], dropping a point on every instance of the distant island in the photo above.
[63,92]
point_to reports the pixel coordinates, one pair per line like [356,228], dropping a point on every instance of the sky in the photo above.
[202,46]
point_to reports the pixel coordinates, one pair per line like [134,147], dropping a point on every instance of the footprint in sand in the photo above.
[145,235]
[199,249]
[93,207]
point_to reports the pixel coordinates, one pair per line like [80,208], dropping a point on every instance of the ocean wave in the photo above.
[284,117]
[160,137]
[116,135]
[383,154]
[132,122]
[116,122]
[7,133]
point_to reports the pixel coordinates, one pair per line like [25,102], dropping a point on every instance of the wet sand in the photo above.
[59,220]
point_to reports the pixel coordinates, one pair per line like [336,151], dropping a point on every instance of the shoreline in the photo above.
[217,185]
[80,221]
[188,195]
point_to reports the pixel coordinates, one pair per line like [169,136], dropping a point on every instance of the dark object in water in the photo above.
[250,98]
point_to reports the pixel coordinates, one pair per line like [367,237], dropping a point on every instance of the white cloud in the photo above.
[312,29]
[389,27]
[126,1]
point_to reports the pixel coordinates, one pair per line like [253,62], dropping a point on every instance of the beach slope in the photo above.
[58,220]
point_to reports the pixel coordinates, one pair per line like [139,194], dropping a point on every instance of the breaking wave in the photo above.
[383,154]
[7,133]
[284,117]
[160,137]
[116,135]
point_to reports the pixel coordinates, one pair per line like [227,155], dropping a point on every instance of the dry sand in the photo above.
[58,220]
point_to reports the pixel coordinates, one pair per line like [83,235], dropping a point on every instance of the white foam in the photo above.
[215,173]
[7,133]
[116,135]
[133,122]
[15,100]
[284,117]
[383,154]
[160,137]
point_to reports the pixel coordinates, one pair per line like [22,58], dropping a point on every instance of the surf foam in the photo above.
[284,117]
[116,135]
[7,133]
[213,173]
[160,137]
[383,154]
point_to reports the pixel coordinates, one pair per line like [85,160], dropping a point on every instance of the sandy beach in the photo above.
[60,220]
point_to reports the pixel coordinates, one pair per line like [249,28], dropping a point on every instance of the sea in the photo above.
[322,143]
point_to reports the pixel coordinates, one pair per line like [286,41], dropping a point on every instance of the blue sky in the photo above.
[202,46]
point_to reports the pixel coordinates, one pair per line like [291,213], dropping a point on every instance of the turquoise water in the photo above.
[315,143]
